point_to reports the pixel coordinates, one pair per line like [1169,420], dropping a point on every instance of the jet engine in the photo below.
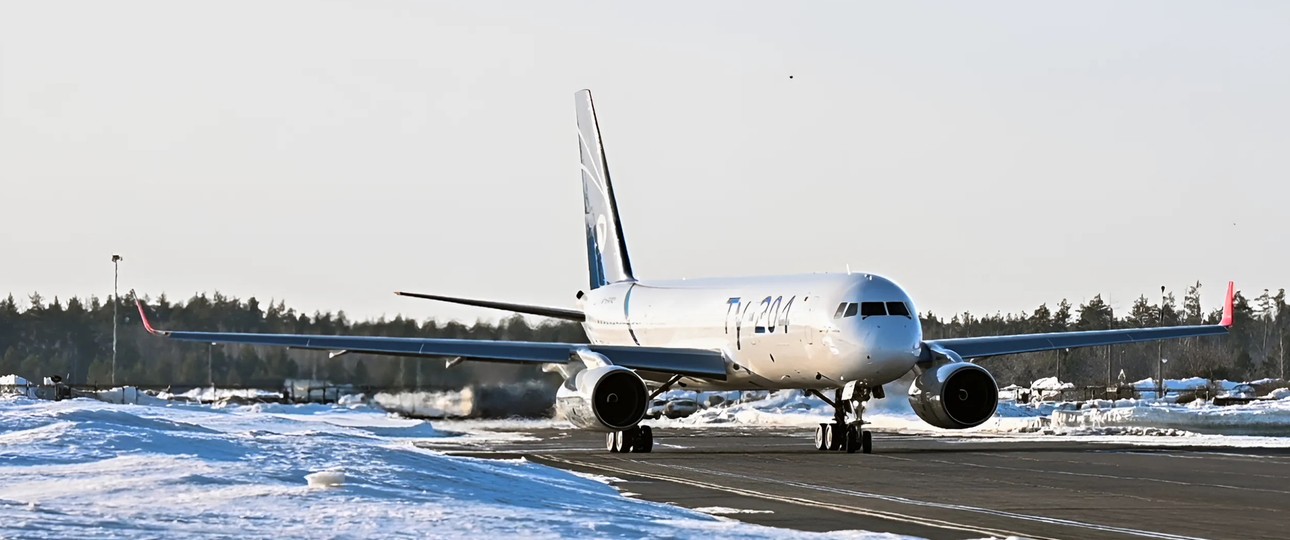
[954,395]
[605,398]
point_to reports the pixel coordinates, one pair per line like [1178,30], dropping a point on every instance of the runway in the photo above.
[939,487]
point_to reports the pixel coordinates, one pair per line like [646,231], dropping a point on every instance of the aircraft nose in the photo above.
[892,348]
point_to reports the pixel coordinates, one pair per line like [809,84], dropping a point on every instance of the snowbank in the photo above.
[209,394]
[791,408]
[451,404]
[1258,418]
[128,395]
[15,385]
[1050,383]
[83,468]
[1190,383]
[14,380]
[1128,416]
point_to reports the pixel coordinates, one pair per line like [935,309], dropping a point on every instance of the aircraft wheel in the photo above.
[821,443]
[866,442]
[611,443]
[853,439]
[836,436]
[644,439]
[624,440]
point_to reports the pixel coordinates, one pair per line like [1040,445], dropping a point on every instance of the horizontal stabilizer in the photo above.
[555,313]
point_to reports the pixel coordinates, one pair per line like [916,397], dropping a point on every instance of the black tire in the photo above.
[853,439]
[866,442]
[644,440]
[834,436]
[820,443]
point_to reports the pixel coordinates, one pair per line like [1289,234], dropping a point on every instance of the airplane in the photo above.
[843,333]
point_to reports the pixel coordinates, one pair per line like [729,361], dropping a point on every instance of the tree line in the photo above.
[1254,349]
[73,339]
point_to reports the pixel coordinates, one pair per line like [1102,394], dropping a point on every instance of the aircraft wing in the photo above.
[986,346]
[700,363]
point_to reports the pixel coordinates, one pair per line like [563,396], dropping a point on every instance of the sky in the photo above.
[988,157]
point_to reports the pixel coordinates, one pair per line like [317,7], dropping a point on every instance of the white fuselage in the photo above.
[776,332]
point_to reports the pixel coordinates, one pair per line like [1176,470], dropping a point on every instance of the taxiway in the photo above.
[938,486]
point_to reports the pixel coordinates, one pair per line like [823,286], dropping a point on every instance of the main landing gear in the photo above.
[637,438]
[634,439]
[843,435]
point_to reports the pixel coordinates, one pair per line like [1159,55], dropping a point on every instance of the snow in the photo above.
[128,394]
[325,479]
[208,394]
[449,404]
[85,468]
[1050,383]
[725,510]
[13,380]
[1259,424]
[18,386]
[1191,383]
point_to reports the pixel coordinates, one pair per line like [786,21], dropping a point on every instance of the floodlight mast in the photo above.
[116,299]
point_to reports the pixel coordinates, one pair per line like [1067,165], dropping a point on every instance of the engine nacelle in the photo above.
[605,398]
[954,395]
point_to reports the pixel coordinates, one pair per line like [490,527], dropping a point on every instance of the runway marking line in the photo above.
[1106,476]
[880,514]
[945,506]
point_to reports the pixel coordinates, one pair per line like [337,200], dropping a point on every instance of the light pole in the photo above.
[1160,352]
[1267,321]
[1110,353]
[210,371]
[116,299]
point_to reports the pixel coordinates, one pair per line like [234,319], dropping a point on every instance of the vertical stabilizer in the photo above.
[607,260]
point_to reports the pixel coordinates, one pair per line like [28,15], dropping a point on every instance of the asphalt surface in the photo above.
[940,487]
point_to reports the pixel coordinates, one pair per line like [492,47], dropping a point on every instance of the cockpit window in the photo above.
[842,308]
[899,309]
[870,309]
[851,310]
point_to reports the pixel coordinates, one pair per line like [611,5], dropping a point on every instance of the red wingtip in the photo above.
[144,317]
[1227,305]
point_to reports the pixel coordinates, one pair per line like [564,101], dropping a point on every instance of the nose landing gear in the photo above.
[843,435]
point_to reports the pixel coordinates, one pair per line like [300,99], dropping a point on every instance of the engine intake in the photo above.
[954,395]
[606,398]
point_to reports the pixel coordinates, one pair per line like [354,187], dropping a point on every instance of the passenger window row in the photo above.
[872,309]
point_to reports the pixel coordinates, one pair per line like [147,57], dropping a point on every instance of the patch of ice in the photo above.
[325,479]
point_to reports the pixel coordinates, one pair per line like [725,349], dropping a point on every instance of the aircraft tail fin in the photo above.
[607,260]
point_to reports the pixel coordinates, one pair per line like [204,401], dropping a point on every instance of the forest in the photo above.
[72,338]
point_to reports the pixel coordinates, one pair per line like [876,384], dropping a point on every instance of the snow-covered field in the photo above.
[165,467]
[85,468]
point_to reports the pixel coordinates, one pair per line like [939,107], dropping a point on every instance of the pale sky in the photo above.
[988,157]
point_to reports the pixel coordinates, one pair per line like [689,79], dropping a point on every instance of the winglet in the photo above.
[1228,319]
[143,316]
